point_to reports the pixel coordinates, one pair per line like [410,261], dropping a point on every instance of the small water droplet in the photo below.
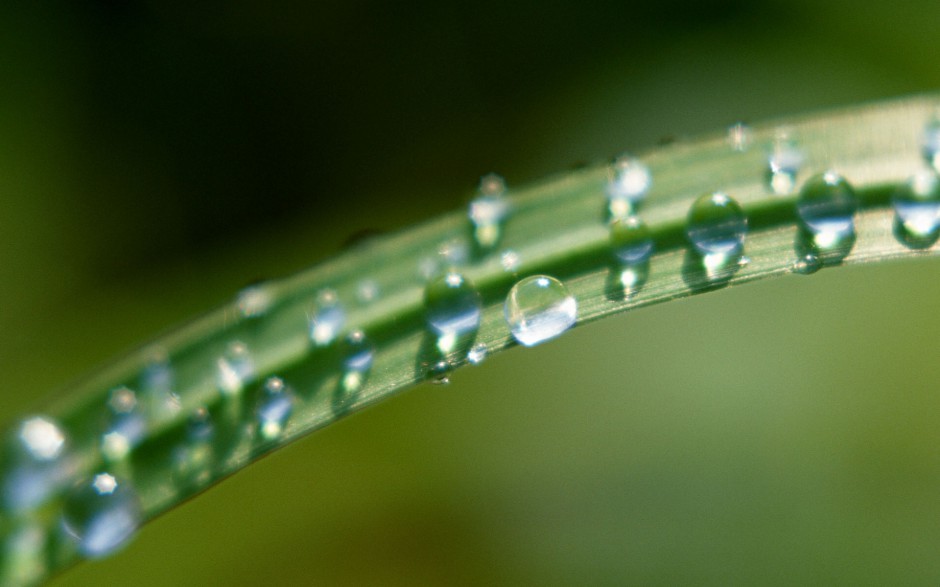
[127,425]
[192,457]
[453,306]
[36,463]
[716,226]
[740,137]
[101,515]
[510,261]
[807,264]
[930,141]
[477,353]
[631,240]
[629,181]
[826,208]
[438,373]
[234,369]
[157,382]
[274,408]
[358,353]
[254,300]
[327,318]
[917,207]
[488,211]
[367,291]
[539,308]
[784,162]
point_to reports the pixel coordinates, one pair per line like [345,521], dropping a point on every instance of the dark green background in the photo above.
[156,157]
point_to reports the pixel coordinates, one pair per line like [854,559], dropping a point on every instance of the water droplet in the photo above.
[157,382]
[254,300]
[488,211]
[358,353]
[126,427]
[631,240]
[510,261]
[930,141]
[826,208]
[740,137]
[629,180]
[784,163]
[477,354]
[438,373]
[453,306]
[36,463]
[101,515]
[539,308]
[192,457]
[807,264]
[234,369]
[716,226]
[367,291]
[917,207]
[454,252]
[327,319]
[274,408]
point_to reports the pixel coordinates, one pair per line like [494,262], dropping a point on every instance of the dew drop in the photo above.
[477,353]
[438,373]
[740,137]
[629,181]
[254,300]
[539,308]
[807,264]
[35,465]
[917,206]
[157,383]
[510,261]
[452,305]
[488,211]
[192,457]
[127,425]
[930,142]
[234,369]
[631,240]
[454,252]
[826,208]
[274,408]
[716,226]
[358,353]
[101,515]
[784,162]
[327,318]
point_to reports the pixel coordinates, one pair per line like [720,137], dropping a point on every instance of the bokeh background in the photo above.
[155,157]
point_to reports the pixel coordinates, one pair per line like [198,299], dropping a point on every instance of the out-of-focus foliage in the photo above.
[155,157]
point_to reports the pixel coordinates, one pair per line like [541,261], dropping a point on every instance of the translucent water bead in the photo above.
[631,240]
[917,206]
[452,305]
[127,425]
[716,226]
[101,515]
[274,408]
[629,181]
[357,353]
[35,463]
[539,308]
[327,318]
[826,207]
[930,142]
[784,162]
[488,211]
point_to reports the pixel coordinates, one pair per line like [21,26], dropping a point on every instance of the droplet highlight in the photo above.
[477,353]
[35,464]
[101,515]
[539,308]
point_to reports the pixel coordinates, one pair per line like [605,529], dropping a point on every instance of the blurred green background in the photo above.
[156,157]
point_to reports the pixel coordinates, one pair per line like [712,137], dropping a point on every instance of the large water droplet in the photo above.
[488,211]
[784,163]
[826,208]
[234,369]
[127,425]
[629,181]
[917,207]
[631,240]
[539,308]
[327,318]
[274,408]
[101,515]
[452,305]
[716,226]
